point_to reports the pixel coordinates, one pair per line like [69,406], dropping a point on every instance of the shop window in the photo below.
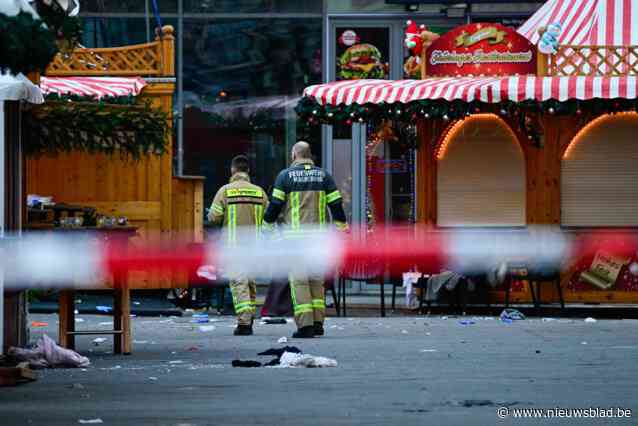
[599,174]
[253,6]
[125,6]
[375,6]
[114,32]
[480,174]
[242,81]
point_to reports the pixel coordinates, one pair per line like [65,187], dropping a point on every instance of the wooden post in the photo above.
[122,317]
[423,64]
[67,319]
[542,62]
[167,50]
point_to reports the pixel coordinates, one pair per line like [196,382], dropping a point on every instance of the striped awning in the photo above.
[92,86]
[484,89]
[587,22]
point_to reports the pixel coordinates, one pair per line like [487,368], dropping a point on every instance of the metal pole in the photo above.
[148,22]
[180,93]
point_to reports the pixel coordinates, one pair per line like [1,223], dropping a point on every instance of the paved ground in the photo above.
[395,371]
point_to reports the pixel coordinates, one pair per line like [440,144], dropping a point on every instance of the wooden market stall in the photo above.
[511,137]
[145,190]
[159,206]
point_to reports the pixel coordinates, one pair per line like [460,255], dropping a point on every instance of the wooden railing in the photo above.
[149,59]
[593,61]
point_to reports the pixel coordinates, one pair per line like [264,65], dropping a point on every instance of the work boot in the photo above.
[319,329]
[243,330]
[304,332]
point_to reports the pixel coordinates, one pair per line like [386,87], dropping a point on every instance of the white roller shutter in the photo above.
[481,176]
[599,175]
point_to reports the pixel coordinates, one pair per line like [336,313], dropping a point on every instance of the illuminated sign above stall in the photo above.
[481,49]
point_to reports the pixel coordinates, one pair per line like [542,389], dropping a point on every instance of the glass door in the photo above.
[372,173]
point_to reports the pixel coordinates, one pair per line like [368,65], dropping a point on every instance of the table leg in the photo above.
[122,321]
[66,303]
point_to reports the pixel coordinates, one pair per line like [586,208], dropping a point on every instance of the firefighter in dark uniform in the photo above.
[302,194]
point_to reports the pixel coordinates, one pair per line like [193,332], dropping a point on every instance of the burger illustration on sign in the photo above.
[361,61]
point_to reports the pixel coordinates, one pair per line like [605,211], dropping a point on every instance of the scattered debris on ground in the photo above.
[47,354]
[273,321]
[293,360]
[508,315]
[590,320]
[287,357]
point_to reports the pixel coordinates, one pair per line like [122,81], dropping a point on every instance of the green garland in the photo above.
[131,131]
[315,114]
[108,100]
[28,44]
[66,29]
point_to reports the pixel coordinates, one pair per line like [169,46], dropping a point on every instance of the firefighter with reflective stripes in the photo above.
[302,194]
[240,205]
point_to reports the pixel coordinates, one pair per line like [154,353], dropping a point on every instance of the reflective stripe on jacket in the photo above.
[301,195]
[238,205]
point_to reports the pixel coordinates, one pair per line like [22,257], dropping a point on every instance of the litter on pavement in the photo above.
[282,340]
[274,321]
[47,354]
[246,364]
[287,357]
[99,340]
[511,314]
[292,360]
[278,352]
[90,421]
[590,320]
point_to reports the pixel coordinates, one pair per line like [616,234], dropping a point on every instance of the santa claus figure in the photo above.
[416,40]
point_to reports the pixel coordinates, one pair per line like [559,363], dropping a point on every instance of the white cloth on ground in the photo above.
[293,360]
[47,354]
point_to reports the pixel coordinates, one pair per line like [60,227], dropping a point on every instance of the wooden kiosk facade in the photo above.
[518,138]
[161,205]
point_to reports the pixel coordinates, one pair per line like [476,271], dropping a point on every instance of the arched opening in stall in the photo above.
[599,171]
[480,175]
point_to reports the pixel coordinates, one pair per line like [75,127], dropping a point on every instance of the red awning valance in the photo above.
[484,89]
[93,86]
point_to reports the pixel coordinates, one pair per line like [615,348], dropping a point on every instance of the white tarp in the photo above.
[17,88]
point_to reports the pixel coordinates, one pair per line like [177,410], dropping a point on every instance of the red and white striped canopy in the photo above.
[484,89]
[587,22]
[93,86]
